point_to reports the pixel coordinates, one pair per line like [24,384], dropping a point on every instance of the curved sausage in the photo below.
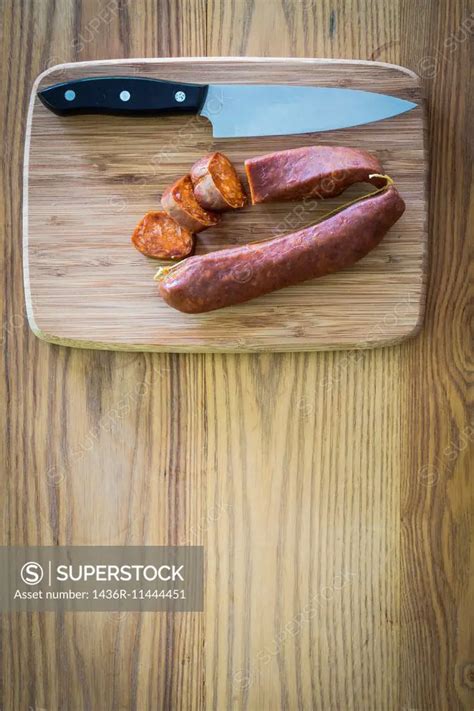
[216,184]
[234,275]
[312,171]
[158,235]
[180,202]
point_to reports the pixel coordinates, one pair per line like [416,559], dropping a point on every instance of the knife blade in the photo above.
[234,110]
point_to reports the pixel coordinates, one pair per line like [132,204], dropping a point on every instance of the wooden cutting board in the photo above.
[89,179]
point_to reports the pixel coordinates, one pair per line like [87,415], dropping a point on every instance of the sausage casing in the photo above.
[234,275]
[311,171]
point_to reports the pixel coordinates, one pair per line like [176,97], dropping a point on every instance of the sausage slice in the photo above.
[180,202]
[216,183]
[158,235]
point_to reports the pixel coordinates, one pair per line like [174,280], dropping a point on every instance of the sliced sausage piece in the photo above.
[216,184]
[234,275]
[312,171]
[180,202]
[158,235]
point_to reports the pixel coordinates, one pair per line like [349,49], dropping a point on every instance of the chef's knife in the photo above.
[233,109]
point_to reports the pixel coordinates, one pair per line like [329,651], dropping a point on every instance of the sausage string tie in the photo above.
[164,271]
[387,178]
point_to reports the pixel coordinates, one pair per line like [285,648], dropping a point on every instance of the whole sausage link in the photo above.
[232,276]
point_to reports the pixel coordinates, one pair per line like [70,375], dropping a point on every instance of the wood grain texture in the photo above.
[331,490]
[84,282]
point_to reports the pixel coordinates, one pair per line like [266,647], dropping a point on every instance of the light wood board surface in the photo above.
[290,468]
[89,179]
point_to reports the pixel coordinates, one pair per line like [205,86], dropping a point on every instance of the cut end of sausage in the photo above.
[216,183]
[159,236]
[180,202]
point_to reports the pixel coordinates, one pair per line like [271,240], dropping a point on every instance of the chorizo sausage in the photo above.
[216,183]
[158,235]
[311,171]
[237,274]
[180,202]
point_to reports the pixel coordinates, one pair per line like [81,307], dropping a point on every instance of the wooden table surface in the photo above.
[330,490]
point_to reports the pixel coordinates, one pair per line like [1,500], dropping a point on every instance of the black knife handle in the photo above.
[123,95]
